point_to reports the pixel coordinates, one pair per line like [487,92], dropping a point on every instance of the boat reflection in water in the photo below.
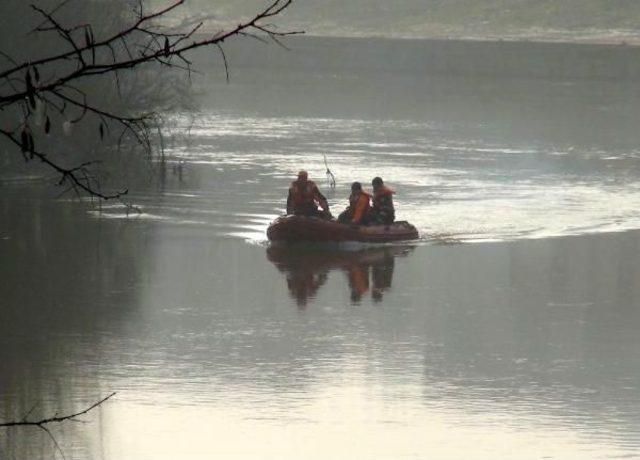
[306,269]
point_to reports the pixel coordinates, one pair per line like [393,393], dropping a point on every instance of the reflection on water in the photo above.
[306,269]
[526,349]
[529,346]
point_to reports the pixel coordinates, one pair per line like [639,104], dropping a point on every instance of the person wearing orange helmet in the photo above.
[305,198]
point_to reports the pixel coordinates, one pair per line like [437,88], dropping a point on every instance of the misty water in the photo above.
[509,330]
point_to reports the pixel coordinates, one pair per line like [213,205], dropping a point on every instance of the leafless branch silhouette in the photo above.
[34,87]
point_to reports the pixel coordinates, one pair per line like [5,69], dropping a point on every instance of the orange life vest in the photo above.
[303,195]
[359,205]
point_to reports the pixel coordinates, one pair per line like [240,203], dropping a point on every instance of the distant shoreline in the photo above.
[612,37]
[613,40]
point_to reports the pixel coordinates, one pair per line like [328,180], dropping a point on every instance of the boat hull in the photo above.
[314,229]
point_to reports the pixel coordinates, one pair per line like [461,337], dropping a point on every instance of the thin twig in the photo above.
[56,418]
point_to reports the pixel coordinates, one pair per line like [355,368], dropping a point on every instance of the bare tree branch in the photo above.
[143,42]
[53,439]
[68,175]
[42,423]
[56,418]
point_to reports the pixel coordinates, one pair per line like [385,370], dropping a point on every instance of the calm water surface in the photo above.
[509,331]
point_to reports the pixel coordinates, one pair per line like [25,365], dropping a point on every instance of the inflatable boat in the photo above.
[314,229]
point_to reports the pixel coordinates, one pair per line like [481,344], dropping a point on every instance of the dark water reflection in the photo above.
[306,269]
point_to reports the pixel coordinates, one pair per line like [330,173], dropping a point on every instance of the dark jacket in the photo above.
[383,211]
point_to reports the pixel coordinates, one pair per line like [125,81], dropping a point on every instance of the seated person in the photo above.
[382,212]
[304,198]
[358,209]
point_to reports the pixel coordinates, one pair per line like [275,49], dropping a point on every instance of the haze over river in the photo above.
[510,330]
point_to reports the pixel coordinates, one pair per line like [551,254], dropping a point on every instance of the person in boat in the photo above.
[305,198]
[358,210]
[382,212]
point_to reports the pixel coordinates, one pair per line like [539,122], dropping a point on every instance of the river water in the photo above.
[508,331]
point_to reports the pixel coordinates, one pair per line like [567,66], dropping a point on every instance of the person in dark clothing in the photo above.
[304,198]
[382,212]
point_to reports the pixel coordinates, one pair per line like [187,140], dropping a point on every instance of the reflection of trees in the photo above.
[306,269]
[57,297]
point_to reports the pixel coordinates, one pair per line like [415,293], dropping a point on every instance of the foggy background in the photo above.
[590,20]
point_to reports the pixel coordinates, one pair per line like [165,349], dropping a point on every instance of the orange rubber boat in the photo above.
[313,229]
